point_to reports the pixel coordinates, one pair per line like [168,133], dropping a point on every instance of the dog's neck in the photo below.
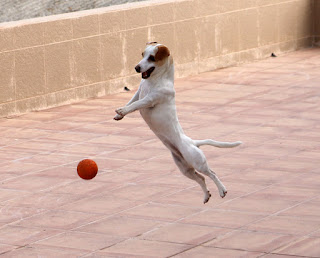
[166,72]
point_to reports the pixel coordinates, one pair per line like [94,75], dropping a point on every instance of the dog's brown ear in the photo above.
[162,53]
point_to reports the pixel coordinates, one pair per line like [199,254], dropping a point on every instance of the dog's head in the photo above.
[154,57]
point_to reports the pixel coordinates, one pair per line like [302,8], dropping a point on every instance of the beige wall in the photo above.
[66,58]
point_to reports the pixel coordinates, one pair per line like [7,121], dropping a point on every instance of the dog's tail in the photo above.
[198,143]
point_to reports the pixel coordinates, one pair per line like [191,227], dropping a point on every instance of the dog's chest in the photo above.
[144,90]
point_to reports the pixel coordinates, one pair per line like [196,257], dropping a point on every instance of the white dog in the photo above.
[155,99]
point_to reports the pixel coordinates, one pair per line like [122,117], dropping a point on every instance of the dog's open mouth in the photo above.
[146,74]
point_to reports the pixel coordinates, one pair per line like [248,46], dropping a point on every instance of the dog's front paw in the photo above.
[117,117]
[121,111]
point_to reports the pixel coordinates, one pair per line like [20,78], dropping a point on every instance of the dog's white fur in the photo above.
[155,99]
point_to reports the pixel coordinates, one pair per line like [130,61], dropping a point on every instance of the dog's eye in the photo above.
[152,59]
[142,54]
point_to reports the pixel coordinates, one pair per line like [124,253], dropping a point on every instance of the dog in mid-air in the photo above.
[155,99]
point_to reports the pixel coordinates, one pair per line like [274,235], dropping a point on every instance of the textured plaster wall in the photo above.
[62,59]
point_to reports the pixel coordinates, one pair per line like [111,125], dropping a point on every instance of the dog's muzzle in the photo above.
[146,74]
[138,68]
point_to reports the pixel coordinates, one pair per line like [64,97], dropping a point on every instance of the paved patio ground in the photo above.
[139,205]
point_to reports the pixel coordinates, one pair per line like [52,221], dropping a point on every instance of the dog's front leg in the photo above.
[146,102]
[132,100]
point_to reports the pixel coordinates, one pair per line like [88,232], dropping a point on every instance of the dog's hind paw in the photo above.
[223,192]
[207,197]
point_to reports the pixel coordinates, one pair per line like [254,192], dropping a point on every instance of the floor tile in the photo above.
[309,247]
[81,240]
[105,204]
[259,204]
[55,219]
[33,183]
[143,192]
[207,252]
[161,212]
[6,248]
[43,200]
[11,214]
[143,248]
[286,225]
[309,210]
[122,226]
[184,233]
[251,241]
[15,235]
[36,250]
[223,218]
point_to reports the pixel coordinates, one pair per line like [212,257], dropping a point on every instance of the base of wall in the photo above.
[65,97]
[53,99]
[316,41]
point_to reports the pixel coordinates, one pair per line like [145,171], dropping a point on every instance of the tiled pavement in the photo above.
[139,205]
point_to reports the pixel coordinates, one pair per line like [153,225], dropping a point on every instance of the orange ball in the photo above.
[87,169]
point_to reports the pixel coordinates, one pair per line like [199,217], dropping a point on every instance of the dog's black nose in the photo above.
[137,68]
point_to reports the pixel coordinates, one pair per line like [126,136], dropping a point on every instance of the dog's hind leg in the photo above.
[196,158]
[208,172]
[192,174]
[222,189]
